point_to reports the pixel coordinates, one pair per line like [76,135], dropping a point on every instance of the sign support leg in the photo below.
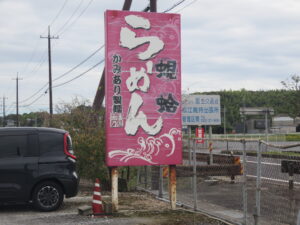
[172,186]
[114,189]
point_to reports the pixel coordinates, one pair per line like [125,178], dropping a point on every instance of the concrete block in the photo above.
[85,210]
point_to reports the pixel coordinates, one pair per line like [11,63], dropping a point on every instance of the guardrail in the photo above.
[223,165]
[209,170]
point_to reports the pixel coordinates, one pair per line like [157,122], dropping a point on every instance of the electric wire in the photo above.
[59,12]
[80,75]
[35,93]
[35,100]
[75,20]
[31,56]
[37,42]
[9,109]
[69,19]
[75,67]
[62,75]
[37,68]
[187,5]
[174,6]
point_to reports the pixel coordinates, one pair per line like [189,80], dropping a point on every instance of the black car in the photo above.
[37,165]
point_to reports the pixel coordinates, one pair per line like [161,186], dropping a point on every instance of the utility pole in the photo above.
[17,98]
[3,106]
[49,37]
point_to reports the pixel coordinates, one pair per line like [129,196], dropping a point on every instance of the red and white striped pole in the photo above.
[97,200]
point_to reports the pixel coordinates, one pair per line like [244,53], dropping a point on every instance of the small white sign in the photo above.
[201,110]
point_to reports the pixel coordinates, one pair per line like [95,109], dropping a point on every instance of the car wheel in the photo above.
[47,196]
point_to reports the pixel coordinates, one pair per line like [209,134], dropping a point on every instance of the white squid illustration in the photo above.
[150,147]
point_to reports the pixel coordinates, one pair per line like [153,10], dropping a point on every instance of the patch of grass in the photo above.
[293,137]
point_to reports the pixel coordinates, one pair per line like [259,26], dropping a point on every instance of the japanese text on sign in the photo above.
[143,89]
[201,110]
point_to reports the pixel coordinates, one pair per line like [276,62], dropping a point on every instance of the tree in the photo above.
[293,83]
[81,121]
[293,101]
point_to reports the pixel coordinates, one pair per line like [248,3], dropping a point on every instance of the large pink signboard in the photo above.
[142,89]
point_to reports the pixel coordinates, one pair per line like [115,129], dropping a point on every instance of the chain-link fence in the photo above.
[245,181]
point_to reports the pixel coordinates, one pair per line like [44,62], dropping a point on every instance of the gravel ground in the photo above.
[136,208]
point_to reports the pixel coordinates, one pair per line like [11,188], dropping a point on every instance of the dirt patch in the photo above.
[176,217]
[142,208]
[140,201]
[143,205]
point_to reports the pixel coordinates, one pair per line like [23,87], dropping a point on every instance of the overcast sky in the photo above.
[226,44]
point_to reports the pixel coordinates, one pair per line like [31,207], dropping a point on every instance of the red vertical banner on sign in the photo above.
[143,89]
[199,134]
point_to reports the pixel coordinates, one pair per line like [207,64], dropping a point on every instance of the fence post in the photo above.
[161,182]
[195,176]
[245,200]
[210,146]
[189,145]
[258,185]
[227,148]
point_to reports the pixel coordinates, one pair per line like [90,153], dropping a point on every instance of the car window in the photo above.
[51,142]
[33,146]
[13,146]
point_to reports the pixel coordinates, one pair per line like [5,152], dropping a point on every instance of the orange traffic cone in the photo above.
[97,201]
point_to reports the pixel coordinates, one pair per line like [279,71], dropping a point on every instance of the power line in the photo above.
[69,19]
[35,100]
[75,67]
[38,41]
[42,61]
[186,6]
[35,93]
[10,107]
[31,56]
[174,6]
[59,12]
[8,89]
[80,75]
[62,75]
[75,20]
